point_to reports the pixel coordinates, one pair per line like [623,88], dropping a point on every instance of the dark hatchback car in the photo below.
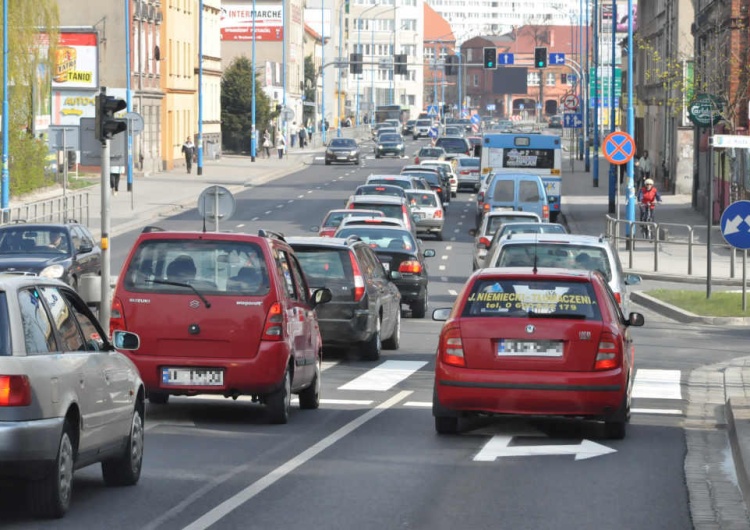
[398,250]
[365,311]
[409,127]
[64,251]
[342,150]
[390,144]
[454,144]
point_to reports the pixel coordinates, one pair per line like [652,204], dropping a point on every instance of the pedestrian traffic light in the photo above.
[355,63]
[490,58]
[540,57]
[105,123]
[400,64]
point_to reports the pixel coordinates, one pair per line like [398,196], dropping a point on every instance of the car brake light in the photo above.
[484,242]
[486,207]
[438,214]
[480,196]
[451,347]
[116,316]
[274,326]
[608,356]
[416,160]
[545,212]
[359,281]
[464,172]
[618,298]
[410,267]
[15,391]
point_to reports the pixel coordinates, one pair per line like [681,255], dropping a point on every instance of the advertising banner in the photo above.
[69,106]
[75,64]
[237,22]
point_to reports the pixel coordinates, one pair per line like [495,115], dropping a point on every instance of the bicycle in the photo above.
[647,217]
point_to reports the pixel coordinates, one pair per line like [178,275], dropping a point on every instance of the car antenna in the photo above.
[536,246]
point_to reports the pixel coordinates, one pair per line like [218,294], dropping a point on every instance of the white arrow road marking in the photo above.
[499,447]
[732,225]
[385,376]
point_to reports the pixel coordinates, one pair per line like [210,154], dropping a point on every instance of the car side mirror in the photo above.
[126,340]
[441,314]
[429,253]
[636,319]
[321,296]
[84,249]
[632,279]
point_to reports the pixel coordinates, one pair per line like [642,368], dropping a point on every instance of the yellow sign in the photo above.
[80,77]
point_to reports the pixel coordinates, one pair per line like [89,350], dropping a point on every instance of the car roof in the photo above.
[542,273]
[421,192]
[511,213]
[379,185]
[378,199]
[467,158]
[41,226]
[418,167]
[562,239]
[332,242]
[390,177]
[13,282]
[372,221]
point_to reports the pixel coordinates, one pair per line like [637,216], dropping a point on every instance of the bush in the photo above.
[27,164]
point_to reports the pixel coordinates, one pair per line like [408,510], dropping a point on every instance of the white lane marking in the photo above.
[419,404]
[300,196]
[268,212]
[290,201]
[449,247]
[310,191]
[456,231]
[453,238]
[657,384]
[385,376]
[452,292]
[240,225]
[441,267]
[255,218]
[463,217]
[443,258]
[319,158]
[674,412]
[460,223]
[234,502]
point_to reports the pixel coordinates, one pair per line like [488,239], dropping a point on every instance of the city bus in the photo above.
[538,154]
[390,112]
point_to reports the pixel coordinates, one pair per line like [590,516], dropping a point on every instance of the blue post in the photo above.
[322,72]
[338,91]
[5,181]
[283,72]
[200,88]
[460,98]
[372,80]
[587,106]
[597,89]
[253,131]
[613,169]
[128,98]
[583,102]
[630,211]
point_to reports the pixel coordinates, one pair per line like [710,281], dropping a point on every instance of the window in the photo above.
[504,191]
[299,279]
[550,79]
[532,78]
[65,322]
[5,342]
[528,191]
[285,271]
[476,80]
[37,327]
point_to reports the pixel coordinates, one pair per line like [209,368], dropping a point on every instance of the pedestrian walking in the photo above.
[267,143]
[281,145]
[302,133]
[188,149]
[644,165]
[114,178]
[293,133]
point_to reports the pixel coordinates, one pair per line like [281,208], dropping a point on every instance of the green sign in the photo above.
[705,110]
[604,87]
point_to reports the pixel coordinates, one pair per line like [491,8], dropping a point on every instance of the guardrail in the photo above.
[55,210]
[674,248]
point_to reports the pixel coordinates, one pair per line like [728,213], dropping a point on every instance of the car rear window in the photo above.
[431,151]
[423,199]
[5,348]
[496,221]
[231,268]
[380,239]
[504,191]
[537,228]
[322,265]
[468,162]
[518,298]
[452,145]
[389,210]
[567,256]
[401,183]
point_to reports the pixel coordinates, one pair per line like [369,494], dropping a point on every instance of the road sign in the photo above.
[735,224]
[287,114]
[432,110]
[500,446]
[705,110]
[572,120]
[556,58]
[619,148]
[476,118]
[433,132]
[135,122]
[570,102]
[490,106]
[730,140]
[572,78]
[505,58]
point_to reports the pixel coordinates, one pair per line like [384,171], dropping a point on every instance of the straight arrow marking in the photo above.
[499,447]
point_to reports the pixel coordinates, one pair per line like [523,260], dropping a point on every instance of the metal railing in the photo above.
[55,210]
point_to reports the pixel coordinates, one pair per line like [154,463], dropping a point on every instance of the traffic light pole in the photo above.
[104,309]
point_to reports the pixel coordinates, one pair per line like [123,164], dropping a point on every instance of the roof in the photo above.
[572,239]
[541,272]
[340,242]
[314,34]
[377,199]
[436,27]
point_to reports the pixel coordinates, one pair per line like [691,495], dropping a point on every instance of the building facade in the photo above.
[212,72]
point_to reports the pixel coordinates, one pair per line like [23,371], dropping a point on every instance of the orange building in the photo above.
[439,42]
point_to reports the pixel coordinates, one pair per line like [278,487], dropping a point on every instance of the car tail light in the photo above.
[608,356]
[486,207]
[15,391]
[327,232]
[274,326]
[484,242]
[464,172]
[359,281]
[618,298]
[451,347]
[116,316]
[416,160]
[480,196]
[545,212]
[410,267]
[438,214]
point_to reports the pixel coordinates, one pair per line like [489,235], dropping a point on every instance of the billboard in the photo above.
[76,61]
[69,106]
[236,21]
[509,80]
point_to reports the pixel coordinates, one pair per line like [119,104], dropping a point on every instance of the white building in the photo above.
[469,18]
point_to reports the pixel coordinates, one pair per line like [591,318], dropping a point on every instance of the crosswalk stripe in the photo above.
[657,384]
[385,376]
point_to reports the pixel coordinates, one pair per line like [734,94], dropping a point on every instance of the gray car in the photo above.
[67,398]
[429,211]
[484,236]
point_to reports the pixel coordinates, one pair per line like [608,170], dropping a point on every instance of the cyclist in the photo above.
[648,195]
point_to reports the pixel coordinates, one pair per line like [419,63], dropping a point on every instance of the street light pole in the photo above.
[200,87]
[322,72]
[5,180]
[359,50]
[613,169]
[597,89]
[128,99]
[338,90]
[283,73]
[253,129]
[630,211]
[587,114]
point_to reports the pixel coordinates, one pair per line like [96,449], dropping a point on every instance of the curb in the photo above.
[675,313]
[738,422]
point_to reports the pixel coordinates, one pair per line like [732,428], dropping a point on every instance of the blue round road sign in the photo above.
[618,148]
[735,224]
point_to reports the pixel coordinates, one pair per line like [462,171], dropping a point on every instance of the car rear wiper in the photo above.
[557,314]
[181,284]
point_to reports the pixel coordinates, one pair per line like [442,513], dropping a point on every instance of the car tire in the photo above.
[371,348]
[439,236]
[394,341]
[328,162]
[454,194]
[126,469]
[615,427]
[419,308]
[356,162]
[50,496]
[446,425]
[415,137]
[309,398]
[279,402]
[158,398]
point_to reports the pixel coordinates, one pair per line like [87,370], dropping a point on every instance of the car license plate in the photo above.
[386,266]
[192,376]
[527,348]
[341,158]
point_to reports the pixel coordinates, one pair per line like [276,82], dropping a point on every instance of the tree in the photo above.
[311,81]
[31,41]
[236,105]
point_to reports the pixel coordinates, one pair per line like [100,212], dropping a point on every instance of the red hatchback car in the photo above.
[547,342]
[221,313]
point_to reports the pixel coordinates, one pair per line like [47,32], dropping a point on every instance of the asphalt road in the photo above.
[369,458]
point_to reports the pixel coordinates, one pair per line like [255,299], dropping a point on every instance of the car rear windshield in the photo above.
[452,145]
[431,151]
[394,191]
[389,210]
[518,298]
[424,123]
[531,228]
[401,183]
[468,162]
[380,239]
[335,218]
[323,265]
[496,221]
[212,267]
[422,199]
[564,256]
[5,347]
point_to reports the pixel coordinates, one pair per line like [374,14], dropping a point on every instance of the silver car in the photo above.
[566,251]
[67,398]
[483,237]
[429,211]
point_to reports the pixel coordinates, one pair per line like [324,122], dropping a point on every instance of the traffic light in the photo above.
[400,64]
[105,123]
[451,65]
[540,57]
[564,79]
[490,58]
[355,63]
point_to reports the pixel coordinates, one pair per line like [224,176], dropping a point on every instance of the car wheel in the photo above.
[279,402]
[415,137]
[328,162]
[616,426]
[126,470]
[394,341]
[454,194]
[419,308]
[309,398]
[446,425]
[439,236]
[158,398]
[356,162]
[50,496]
[371,348]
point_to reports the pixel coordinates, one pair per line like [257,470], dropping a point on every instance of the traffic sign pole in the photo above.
[735,228]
